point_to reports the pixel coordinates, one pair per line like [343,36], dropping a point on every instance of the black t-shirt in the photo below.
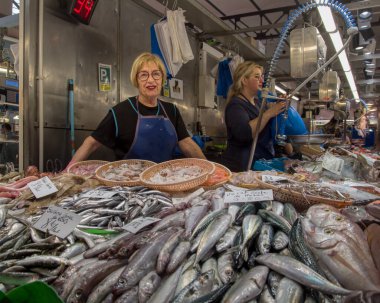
[238,114]
[120,138]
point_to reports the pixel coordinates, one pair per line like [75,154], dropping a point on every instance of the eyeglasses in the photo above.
[143,76]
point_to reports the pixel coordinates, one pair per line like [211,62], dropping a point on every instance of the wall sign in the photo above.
[104,71]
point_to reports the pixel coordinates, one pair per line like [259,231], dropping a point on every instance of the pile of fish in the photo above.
[200,251]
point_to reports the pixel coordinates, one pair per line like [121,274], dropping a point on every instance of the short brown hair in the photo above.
[140,61]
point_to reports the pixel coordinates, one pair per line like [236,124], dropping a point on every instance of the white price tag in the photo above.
[42,187]
[248,196]
[235,188]
[272,178]
[99,194]
[58,221]
[189,197]
[333,164]
[139,223]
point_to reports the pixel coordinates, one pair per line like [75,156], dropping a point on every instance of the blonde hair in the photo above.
[243,70]
[140,61]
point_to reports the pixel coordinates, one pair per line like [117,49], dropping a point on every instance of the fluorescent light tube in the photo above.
[329,23]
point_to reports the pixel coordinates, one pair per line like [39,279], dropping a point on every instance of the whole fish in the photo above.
[178,256]
[197,288]
[248,286]
[147,286]
[297,271]
[373,209]
[226,241]
[175,220]
[233,210]
[213,233]
[340,255]
[289,292]
[187,276]
[73,250]
[226,268]
[104,287]
[265,238]
[165,291]
[193,216]
[141,263]
[165,253]
[213,296]
[205,222]
[251,228]
[90,278]
[280,240]
[217,202]
[212,264]
[245,210]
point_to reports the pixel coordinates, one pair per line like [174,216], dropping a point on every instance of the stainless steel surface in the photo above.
[306,49]
[310,139]
[329,86]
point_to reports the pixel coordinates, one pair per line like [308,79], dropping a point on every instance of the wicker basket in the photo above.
[216,185]
[102,169]
[206,166]
[72,167]
[300,201]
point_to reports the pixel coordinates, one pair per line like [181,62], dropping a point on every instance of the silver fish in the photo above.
[265,238]
[129,296]
[226,268]
[289,292]
[212,264]
[193,216]
[165,253]
[280,240]
[212,235]
[147,286]
[266,296]
[104,287]
[226,241]
[300,273]
[248,286]
[175,220]
[251,228]
[178,255]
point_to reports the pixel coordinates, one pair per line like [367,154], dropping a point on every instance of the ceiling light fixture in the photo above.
[330,26]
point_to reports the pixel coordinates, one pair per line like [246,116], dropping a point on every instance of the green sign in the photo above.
[104,71]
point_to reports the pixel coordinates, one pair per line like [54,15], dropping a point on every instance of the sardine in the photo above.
[178,255]
[129,296]
[265,238]
[226,268]
[211,263]
[275,220]
[248,286]
[193,217]
[226,241]
[165,253]
[251,228]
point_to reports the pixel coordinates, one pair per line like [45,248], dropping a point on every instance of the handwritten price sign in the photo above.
[248,196]
[139,223]
[58,221]
[42,187]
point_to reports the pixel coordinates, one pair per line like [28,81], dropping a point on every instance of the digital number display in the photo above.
[82,10]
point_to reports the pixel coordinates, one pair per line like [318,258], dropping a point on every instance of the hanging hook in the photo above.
[165,3]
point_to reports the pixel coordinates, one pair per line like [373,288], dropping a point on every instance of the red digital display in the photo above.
[83,10]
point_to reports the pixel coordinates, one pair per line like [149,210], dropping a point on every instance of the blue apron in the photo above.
[155,137]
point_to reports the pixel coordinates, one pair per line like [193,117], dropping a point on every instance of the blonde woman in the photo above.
[142,127]
[241,117]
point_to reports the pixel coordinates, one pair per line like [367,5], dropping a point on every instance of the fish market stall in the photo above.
[241,240]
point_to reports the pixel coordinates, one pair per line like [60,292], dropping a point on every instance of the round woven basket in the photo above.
[300,201]
[73,166]
[216,185]
[102,169]
[206,166]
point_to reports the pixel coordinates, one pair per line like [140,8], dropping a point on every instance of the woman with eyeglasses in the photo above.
[241,117]
[142,127]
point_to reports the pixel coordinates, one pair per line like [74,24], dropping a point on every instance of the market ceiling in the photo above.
[263,20]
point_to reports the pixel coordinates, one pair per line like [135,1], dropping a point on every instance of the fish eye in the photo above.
[122,281]
[326,210]
[339,218]
[328,231]
[355,208]
[78,293]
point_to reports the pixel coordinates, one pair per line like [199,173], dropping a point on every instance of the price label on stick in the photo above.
[248,196]
[139,224]
[333,164]
[57,221]
[99,194]
[42,187]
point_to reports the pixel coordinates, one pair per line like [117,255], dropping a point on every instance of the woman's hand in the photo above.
[275,109]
